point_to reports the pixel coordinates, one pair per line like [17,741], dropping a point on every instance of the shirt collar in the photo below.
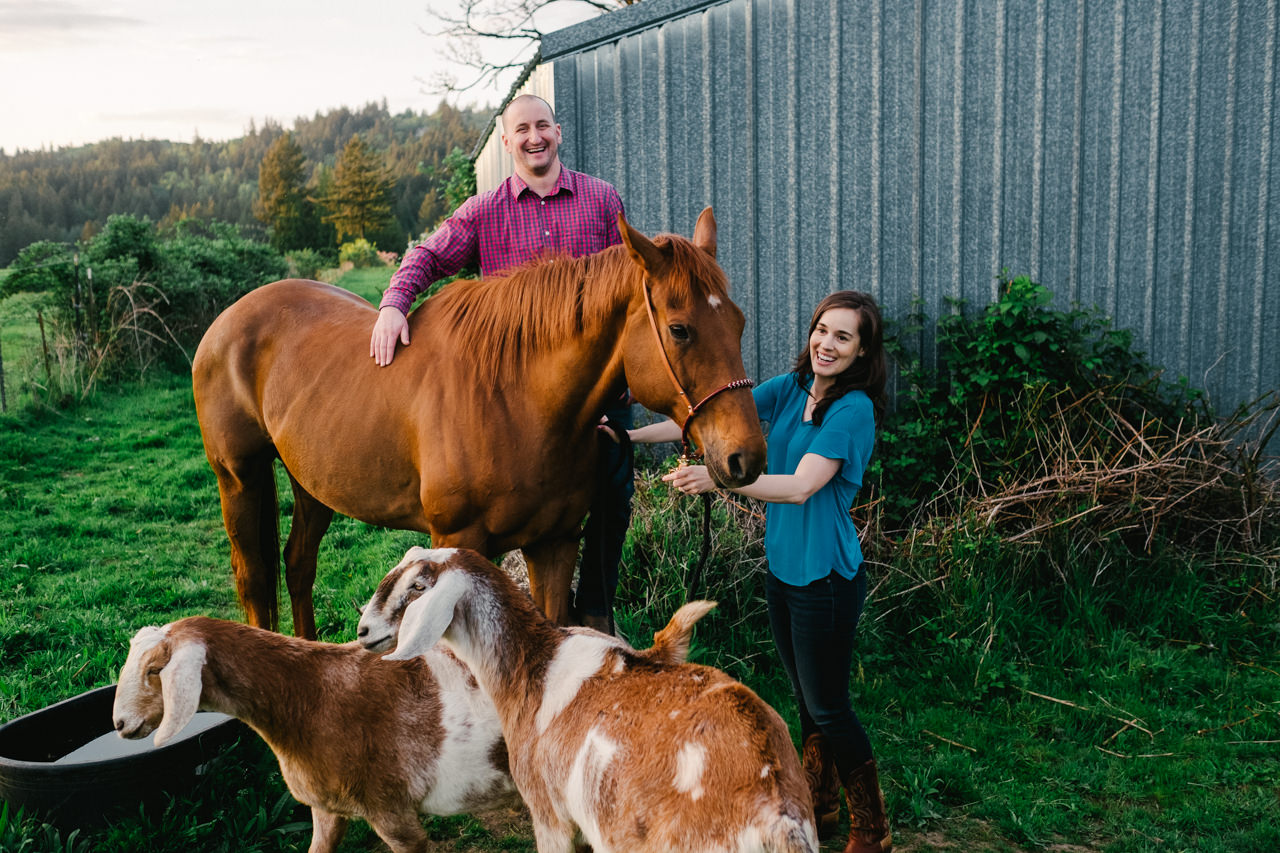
[567,181]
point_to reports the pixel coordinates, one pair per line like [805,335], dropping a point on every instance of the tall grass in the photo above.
[25,372]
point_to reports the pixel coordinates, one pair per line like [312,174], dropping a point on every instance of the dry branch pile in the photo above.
[1100,473]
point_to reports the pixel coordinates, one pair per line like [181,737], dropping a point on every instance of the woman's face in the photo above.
[834,343]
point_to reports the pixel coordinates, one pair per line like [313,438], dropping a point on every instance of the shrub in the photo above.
[201,274]
[360,253]
[1012,378]
[41,267]
[307,263]
[125,237]
[139,299]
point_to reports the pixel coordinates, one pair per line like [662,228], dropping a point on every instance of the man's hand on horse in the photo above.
[390,327]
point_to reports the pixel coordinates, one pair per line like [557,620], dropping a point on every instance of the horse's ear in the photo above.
[704,233]
[648,256]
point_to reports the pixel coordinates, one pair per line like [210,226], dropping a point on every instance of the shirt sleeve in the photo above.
[847,434]
[612,206]
[449,248]
[767,396]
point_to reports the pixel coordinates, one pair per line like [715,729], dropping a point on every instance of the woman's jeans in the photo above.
[813,629]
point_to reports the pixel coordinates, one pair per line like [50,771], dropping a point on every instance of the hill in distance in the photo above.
[66,195]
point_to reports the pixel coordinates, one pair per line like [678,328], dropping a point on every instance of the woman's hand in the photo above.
[690,479]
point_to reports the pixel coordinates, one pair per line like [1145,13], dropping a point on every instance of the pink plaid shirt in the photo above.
[508,226]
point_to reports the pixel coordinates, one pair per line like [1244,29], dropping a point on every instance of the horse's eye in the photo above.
[679,332]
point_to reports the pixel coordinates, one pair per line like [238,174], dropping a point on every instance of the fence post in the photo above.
[44,345]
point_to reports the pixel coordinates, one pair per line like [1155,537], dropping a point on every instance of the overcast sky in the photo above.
[79,71]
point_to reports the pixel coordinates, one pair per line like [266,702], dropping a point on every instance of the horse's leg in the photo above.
[247,489]
[310,521]
[551,566]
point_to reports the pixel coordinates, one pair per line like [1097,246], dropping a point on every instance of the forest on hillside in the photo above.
[66,195]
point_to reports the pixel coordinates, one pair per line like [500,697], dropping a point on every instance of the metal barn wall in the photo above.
[1121,153]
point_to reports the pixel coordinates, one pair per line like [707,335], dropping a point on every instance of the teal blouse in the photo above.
[805,542]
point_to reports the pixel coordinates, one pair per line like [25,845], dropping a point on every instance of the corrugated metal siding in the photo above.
[1121,153]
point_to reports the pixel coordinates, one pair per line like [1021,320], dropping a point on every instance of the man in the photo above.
[544,208]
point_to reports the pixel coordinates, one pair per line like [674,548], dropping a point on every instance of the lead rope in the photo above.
[688,453]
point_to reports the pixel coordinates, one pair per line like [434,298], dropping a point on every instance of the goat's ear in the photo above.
[181,682]
[646,255]
[704,233]
[428,617]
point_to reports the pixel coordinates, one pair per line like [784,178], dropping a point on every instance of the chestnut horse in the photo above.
[481,432]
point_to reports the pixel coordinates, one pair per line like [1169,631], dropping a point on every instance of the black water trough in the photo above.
[67,763]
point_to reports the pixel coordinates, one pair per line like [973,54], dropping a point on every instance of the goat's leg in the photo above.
[402,833]
[551,566]
[327,831]
[552,835]
[310,521]
[247,489]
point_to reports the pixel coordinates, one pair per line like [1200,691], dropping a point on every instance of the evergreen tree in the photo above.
[359,200]
[282,201]
[66,195]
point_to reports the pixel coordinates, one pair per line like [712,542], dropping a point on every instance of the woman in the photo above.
[822,418]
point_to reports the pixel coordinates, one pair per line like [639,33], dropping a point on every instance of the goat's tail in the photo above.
[671,644]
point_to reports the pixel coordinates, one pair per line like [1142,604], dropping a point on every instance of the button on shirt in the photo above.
[509,226]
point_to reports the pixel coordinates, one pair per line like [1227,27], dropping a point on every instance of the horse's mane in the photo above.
[495,324]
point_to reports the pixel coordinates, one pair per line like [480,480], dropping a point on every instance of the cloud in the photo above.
[28,25]
[180,116]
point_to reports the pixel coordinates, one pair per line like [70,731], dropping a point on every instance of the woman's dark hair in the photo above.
[867,373]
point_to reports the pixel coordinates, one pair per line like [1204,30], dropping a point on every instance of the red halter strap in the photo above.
[693,409]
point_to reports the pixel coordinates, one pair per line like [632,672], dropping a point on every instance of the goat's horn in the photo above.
[358,606]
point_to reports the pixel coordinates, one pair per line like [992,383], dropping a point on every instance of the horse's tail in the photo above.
[252,516]
[269,536]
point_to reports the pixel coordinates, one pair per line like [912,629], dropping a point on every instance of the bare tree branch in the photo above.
[490,37]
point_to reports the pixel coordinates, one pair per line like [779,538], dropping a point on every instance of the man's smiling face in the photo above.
[531,136]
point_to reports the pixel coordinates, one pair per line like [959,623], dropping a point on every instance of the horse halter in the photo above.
[693,408]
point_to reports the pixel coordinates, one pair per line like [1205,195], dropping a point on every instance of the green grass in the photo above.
[1133,709]
[368,283]
[20,348]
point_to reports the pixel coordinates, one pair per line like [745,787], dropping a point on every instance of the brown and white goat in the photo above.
[607,747]
[355,735]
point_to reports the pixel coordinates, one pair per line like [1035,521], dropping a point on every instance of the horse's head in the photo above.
[683,349]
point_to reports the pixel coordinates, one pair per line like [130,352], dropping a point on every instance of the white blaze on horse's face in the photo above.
[713,301]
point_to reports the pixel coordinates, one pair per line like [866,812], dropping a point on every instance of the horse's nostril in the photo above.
[736,471]
[362,631]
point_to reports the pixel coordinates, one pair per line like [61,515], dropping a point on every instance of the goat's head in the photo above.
[159,686]
[414,604]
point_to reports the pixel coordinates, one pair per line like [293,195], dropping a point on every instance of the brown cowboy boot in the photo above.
[868,824]
[824,783]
